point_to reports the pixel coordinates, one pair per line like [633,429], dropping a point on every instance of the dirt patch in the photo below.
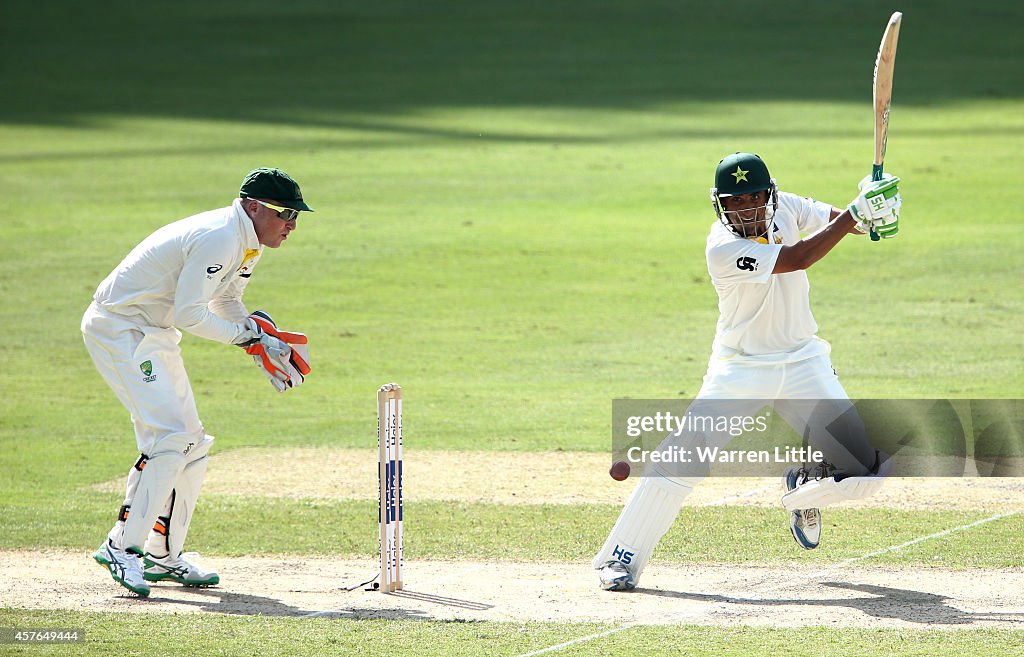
[841,595]
[539,477]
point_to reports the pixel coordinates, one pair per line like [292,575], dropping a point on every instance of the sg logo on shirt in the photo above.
[746,263]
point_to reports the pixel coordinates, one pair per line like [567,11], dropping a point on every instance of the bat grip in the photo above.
[876,175]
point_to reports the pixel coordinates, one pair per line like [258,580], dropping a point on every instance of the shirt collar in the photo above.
[252,242]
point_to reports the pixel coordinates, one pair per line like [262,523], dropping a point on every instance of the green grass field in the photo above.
[511,206]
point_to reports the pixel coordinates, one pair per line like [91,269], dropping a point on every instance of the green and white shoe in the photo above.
[124,567]
[178,569]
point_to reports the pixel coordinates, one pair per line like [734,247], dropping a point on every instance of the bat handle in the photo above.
[876,175]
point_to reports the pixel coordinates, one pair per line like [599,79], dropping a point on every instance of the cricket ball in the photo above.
[619,470]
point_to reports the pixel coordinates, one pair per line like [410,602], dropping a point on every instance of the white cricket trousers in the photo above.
[795,390]
[143,366]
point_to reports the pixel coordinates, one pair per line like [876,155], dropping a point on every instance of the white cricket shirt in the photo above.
[189,274]
[763,314]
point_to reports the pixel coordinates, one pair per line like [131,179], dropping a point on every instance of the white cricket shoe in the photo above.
[124,567]
[615,576]
[179,569]
[804,523]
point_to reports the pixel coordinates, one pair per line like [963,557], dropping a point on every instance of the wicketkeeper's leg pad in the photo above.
[171,528]
[129,496]
[169,457]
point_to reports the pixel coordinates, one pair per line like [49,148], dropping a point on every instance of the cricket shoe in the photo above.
[615,576]
[804,523]
[178,569]
[124,567]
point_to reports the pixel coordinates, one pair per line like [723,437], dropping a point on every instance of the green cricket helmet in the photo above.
[738,174]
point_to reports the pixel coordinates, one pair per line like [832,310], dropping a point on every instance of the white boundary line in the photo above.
[945,532]
[835,566]
[582,639]
[839,565]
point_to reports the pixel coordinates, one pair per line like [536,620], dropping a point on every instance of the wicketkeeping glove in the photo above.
[283,356]
[877,206]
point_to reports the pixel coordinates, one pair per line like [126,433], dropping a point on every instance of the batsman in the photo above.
[766,348]
[189,275]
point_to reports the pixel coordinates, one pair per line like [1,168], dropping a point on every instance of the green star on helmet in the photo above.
[742,173]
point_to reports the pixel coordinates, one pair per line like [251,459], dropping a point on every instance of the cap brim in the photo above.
[296,205]
[744,190]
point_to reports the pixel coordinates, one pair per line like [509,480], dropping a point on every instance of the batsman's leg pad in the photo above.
[820,493]
[648,514]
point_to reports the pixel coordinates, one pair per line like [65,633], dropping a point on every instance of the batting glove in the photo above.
[877,206]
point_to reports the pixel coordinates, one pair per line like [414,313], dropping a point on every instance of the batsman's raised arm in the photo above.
[813,248]
[863,214]
[749,204]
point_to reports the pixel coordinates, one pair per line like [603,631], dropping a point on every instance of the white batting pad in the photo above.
[821,493]
[648,514]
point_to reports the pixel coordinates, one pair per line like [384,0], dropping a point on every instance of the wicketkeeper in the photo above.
[188,275]
[766,348]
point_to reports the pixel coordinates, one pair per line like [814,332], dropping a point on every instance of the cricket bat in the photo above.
[882,91]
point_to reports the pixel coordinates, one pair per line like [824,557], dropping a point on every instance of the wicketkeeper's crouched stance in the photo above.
[189,275]
[766,348]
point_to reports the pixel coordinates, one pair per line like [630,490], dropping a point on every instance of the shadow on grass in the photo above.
[238,604]
[884,603]
[217,601]
[348,64]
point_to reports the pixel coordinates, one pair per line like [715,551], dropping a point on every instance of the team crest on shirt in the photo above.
[147,371]
[245,270]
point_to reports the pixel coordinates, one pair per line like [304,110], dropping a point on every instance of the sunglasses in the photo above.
[286,214]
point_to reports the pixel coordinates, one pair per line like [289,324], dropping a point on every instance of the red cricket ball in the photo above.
[619,470]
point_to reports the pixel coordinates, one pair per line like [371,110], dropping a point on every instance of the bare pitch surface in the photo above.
[843,595]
